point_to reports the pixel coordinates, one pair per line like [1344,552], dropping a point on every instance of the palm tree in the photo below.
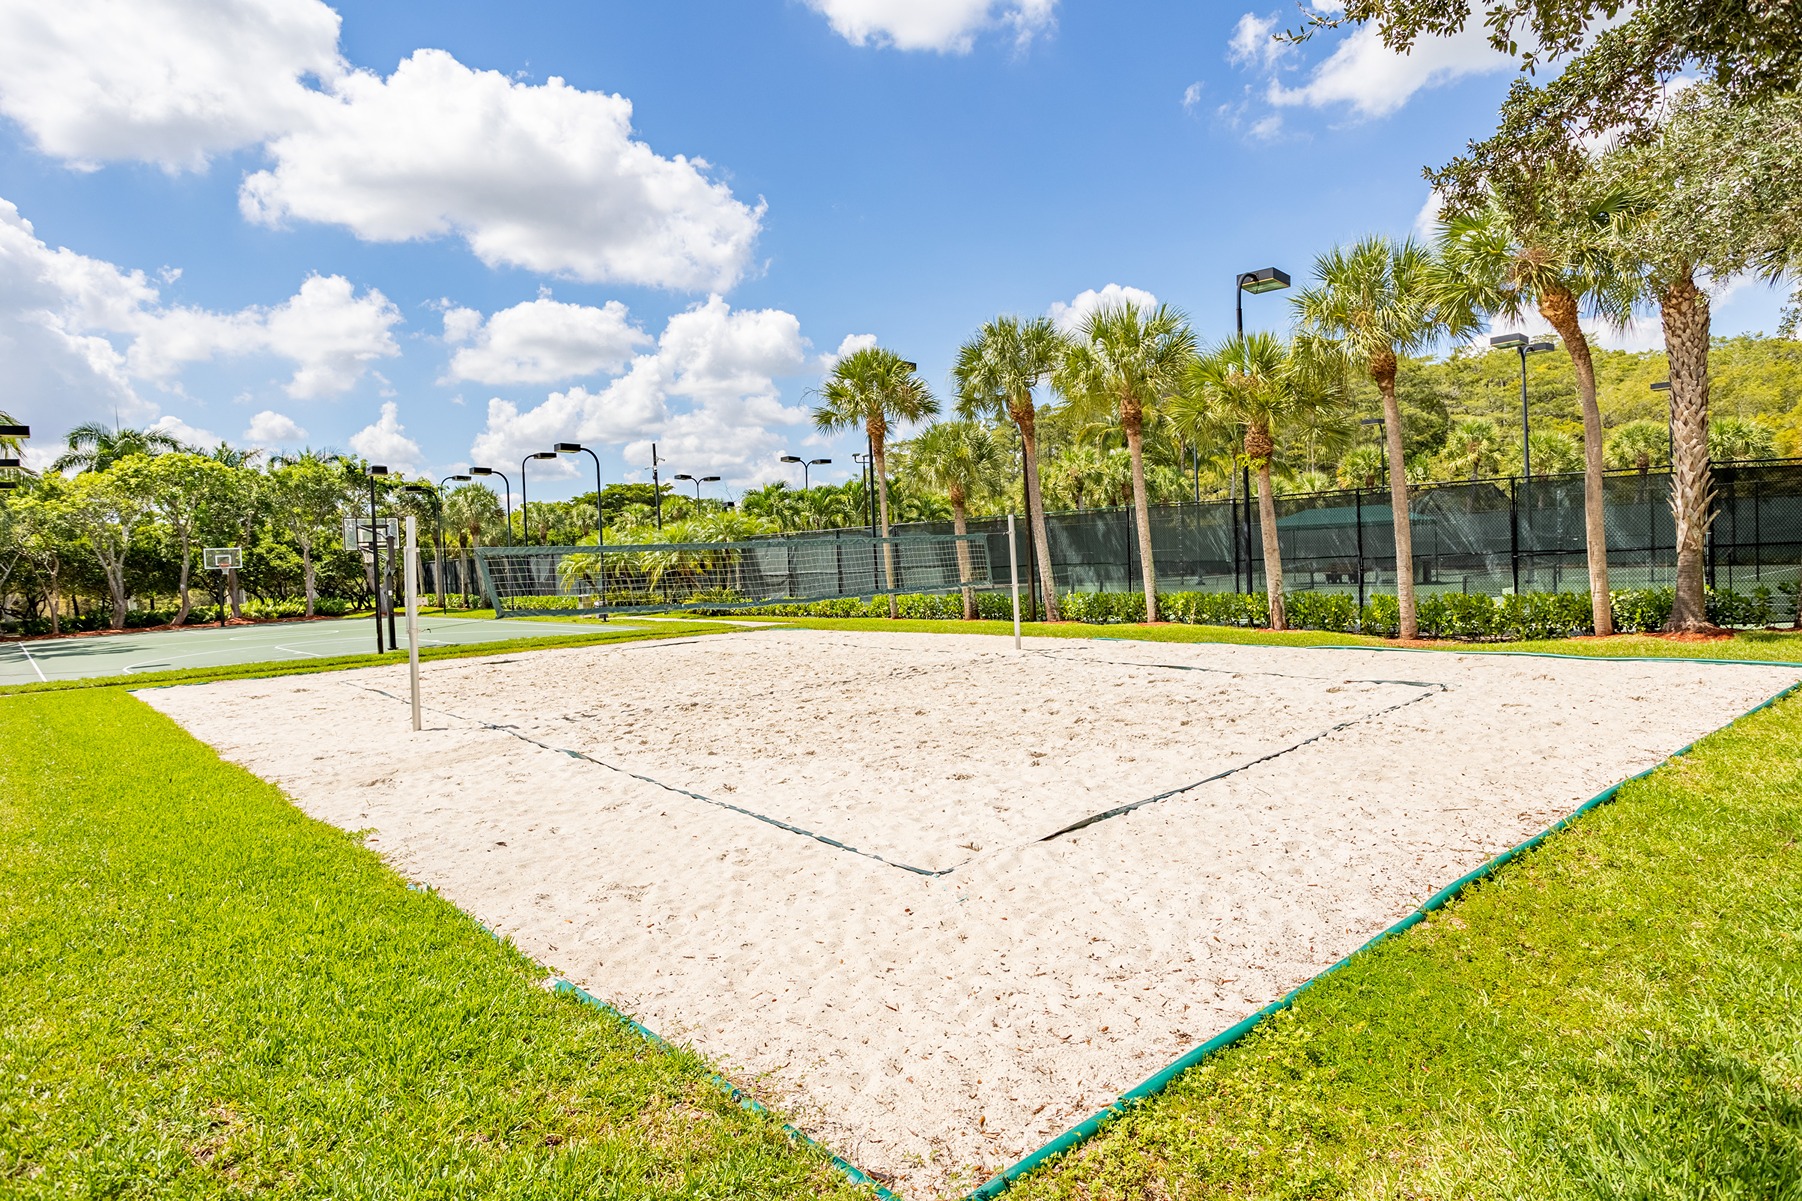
[1473,444]
[1254,383]
[995,373]
[1362,467]
[873,388]
[965,462]
[1637,445]
[1735,439]
[1379,299]
[1493,265]
[470,511]
[1129,361]
[94,447]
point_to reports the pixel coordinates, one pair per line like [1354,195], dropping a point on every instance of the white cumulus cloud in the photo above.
[79,334]
[385,442]
[1371,80]
[541,341]
[1254,42]
[1069,317]
[948,26]
[181,431]
[163,81]
[269,428]
[707,394]
[542,176]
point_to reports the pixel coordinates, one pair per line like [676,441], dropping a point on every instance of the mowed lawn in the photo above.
[204,993]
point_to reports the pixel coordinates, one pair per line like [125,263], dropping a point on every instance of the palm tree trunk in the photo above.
[1273,558]
[961,527]
[1383,372]
[1132,417]
[1559,307]
[1027,422]
[1686,321]
[879,456]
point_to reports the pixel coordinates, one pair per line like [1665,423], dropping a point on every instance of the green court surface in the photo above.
[211,646]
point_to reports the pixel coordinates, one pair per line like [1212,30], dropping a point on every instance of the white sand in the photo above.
[934,1028]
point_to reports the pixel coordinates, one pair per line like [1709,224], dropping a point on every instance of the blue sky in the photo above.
[385,227]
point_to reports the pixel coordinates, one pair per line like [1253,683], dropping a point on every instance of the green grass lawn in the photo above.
[204,993]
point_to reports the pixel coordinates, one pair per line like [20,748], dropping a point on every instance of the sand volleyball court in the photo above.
[934,899]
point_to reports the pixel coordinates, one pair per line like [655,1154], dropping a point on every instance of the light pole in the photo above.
[462,479]
[13,432]
[375,555]
[806,466]
[1519,342]
[600,517]
[525,517]
[1670,431]
[508,484]
[1265,279]
[697,481]
[427,490]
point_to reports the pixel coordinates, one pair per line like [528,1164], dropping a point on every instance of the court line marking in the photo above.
[42,678]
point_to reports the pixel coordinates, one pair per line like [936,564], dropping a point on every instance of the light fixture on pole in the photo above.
[461,479]
[600,517]
[431,493]
[13,432]
[507,513]
[525,517]
[698,480]
[1670,428]
[1268,279]
[806,466]
[1519,342]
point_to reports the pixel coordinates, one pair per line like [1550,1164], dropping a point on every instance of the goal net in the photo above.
[524,580]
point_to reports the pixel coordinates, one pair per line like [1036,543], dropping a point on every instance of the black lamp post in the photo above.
[698,480]
[462,479]
[1519,342]
[525,516]
[375,555]
[806,467]
[600,518]
[431,493]
[1670,430]
[508,484]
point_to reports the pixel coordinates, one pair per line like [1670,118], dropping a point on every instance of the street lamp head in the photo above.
[1508,341]
[818,462]
[375,470]
[420,488]
[483,471]
[689,478]
[1537,347]
[461,479]
[1269,279]
[1663,385]
[15,431]
[790,459]
[710,479]
[545,454]
[569,448]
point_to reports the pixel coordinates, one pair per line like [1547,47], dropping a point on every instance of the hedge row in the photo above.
[138,619]
[1452,615]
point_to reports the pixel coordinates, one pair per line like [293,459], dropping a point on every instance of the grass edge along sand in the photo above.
[207,993]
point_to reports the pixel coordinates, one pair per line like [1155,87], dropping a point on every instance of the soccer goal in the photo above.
[526,580]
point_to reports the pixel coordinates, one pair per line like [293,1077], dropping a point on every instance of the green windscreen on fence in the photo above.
[524,580]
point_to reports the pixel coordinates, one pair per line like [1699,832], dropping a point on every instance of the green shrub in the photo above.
[1334,612]
[1382,616]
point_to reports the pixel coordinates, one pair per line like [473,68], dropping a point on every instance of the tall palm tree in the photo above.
[1493,264]
[1255,383]
[1475,445]
[965,462]
[1737,439]
[1379,299]
[1637,445]
[470,512]
[95,447]
[995,374]
[1129,361]
[875,388]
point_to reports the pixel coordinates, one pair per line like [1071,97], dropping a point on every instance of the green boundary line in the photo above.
[1157,1083]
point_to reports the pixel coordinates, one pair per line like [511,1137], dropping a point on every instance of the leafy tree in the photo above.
[184,490]
[1127,361]
[1362,467]
[875,389]
[1736,439]
[1520,249]
[107,510]
[1379,299]
[1639,446]
[995,374]
[94,447]
[961,459]
[46,538]
[309,500]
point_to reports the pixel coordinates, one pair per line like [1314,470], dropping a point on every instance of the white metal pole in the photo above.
[412,574]
[1013,569]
